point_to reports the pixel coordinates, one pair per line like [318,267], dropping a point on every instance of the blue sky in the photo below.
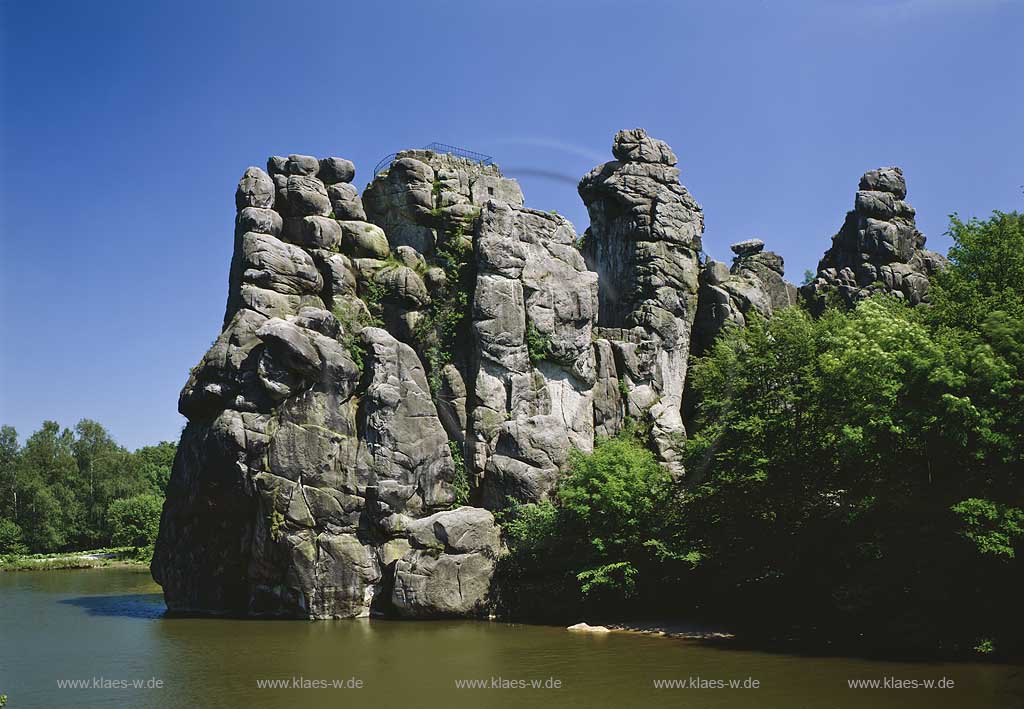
[126,125]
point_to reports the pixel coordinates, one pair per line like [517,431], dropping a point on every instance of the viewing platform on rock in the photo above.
[442,148]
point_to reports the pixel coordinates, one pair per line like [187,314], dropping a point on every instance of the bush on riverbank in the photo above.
[605,547]
[135,521]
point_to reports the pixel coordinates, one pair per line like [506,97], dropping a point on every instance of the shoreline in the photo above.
[678,630]
[87,559]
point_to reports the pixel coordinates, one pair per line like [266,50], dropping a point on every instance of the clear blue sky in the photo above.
[126,125]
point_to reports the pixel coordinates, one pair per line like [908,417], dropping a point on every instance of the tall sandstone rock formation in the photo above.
[314,478]
[644,243]
[396,365]
[385,355]
[877,250]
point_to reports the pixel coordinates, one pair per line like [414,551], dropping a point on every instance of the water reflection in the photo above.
[145,606]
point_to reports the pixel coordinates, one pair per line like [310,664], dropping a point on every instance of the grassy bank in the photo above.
[86,559]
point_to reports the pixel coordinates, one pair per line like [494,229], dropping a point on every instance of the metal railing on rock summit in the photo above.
[440,148]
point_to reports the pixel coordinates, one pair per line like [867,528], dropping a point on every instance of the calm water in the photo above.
[107,624]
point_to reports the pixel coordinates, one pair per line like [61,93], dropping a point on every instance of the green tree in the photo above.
[153,464]
[838,470]
[53,514]
[986,272]
[11,538]
[614,498]
[8,472]
[135,521]
[39,516]
[605,540]
[100,477]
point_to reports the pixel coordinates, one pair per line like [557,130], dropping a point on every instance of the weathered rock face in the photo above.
[310,430]
[447,564]
[643,241]
[534,369]
[878,248]
[754,284]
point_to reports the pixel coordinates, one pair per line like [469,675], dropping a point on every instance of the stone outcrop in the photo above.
[877,250]
[394,366]
[446,562]
[729,295]
[644,240]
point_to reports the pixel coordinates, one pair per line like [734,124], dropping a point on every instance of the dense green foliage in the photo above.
[858,477]
[77,489]
[461,482]
[134,521]
[606,534]
[987,273]
[610,499]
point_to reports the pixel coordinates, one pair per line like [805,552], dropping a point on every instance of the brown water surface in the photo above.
[105,626]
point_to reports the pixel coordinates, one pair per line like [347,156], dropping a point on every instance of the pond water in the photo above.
[105,629]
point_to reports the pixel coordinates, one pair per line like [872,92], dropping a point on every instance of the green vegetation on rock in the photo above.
[352,319]
[537,344]
[276,526]
[445,325]
[461,482]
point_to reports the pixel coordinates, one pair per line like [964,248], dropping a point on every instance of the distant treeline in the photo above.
[854,478]
[75,489]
